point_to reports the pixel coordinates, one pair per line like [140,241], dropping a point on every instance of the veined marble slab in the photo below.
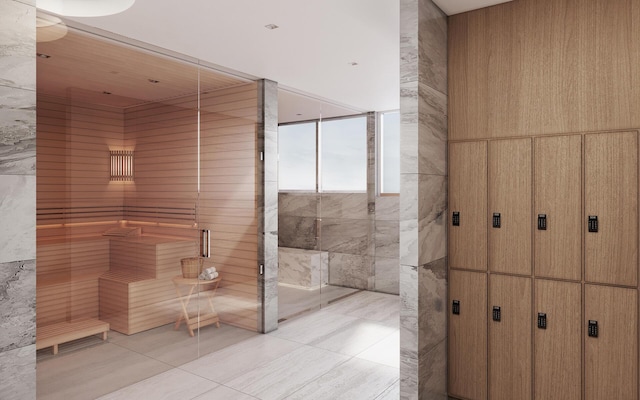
[306,268]
[18,374]
[17,131]
[17,304]
[18,216]
[18,45]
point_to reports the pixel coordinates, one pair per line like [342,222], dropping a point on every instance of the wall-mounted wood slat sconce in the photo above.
[121,165]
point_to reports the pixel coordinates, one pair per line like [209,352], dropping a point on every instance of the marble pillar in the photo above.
[423,200]
[267,213]
[17,199]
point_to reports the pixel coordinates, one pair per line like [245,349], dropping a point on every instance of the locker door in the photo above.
[510,338]
[611,359]
[558,343]
[611,188]
[468,335]
[558,200]
[510,197]
[468,198]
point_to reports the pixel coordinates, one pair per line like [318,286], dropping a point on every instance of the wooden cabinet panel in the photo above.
[558,195]
[558,347]
[468,335]
[510,196]
[611,189]
[510,338]
[468,196]
[611,359]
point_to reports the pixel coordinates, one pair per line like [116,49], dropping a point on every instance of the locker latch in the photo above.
[542,222]
[496,313]
[593,328]
[455,307]
[496,220]
[456,218]
[542,320]
[593,223]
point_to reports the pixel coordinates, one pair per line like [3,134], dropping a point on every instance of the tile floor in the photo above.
[348,350]
[293,301]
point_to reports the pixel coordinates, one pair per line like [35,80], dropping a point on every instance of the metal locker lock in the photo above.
[496,314]
[542,222]
[455,219]
[542,321]
[455,307]
[496,220]
[593,223]
[593,328]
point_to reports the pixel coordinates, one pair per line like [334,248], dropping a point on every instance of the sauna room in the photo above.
[146,177]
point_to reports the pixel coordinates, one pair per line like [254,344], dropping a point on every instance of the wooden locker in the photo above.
[611,189]
[510,338]
[510,196]
[468,335]
[611,358]
[468,197]
[558,340]
[558,198]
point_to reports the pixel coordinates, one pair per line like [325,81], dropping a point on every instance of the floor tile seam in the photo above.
[385,389]
[310,381]
[357,321]
[376,343]
[145,355]
[228,387]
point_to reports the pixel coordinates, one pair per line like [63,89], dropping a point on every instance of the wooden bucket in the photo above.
[191,267]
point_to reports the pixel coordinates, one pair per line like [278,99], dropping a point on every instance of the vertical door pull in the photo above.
[542,222]
[496,313]
[542,321]
[456,218]
[455,307]
[593,328]
[496,220]
[593,223]
[205,243]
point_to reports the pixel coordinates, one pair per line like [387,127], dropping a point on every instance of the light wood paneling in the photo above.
[468,335]
[611,193]
[611,359]
[468,196]
[558,348]
[558,195]
[510,338]
[544,66]
[510,195]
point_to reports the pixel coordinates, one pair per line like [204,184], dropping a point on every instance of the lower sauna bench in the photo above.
[63,332]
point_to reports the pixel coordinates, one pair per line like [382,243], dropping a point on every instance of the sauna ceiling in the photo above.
[91,69]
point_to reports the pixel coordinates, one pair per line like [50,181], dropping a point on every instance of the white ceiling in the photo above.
[311,52]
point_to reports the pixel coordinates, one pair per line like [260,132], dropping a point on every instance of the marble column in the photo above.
[17,199]
[423,200]
[267,185]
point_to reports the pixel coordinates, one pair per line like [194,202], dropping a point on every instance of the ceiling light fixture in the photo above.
[271,26]
[352,63]
[153,81]
[42,55]
[84,8]
[49,28]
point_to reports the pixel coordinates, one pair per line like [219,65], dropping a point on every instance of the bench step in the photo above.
[62,332]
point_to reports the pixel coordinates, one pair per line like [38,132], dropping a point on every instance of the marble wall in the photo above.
[17,199]
[307,269]
[423,188]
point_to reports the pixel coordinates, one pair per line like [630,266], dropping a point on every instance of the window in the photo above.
[297,156]
[389,153]
[330,155]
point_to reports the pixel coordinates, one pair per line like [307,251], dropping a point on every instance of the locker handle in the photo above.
[542,222]
[496,220]
[542,321]
[497,315]
[593,223]
[592,330]
[455,219]
[455,307]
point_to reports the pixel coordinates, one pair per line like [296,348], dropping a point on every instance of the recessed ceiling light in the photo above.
[298,114]
[352,63]
[42,55]
[105,92]
[272,26]
[153,81]
[84,8]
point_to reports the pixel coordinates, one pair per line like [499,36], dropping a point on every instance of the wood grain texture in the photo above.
[544,66]
[558,348]
[611,359]
[558,195]
[611,193]
[510,195]
[510,339]
[468,335]
[468,195]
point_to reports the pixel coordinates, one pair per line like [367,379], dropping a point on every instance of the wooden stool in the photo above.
[190,284]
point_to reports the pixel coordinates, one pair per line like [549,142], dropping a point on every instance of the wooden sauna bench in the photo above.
[63,332]
[137,293]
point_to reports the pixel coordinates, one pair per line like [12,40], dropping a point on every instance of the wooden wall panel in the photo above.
[544,66]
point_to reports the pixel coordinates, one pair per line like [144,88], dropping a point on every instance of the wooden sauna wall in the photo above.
[164,136]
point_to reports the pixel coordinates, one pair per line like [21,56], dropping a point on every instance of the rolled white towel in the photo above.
[211,270]
[207,276]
